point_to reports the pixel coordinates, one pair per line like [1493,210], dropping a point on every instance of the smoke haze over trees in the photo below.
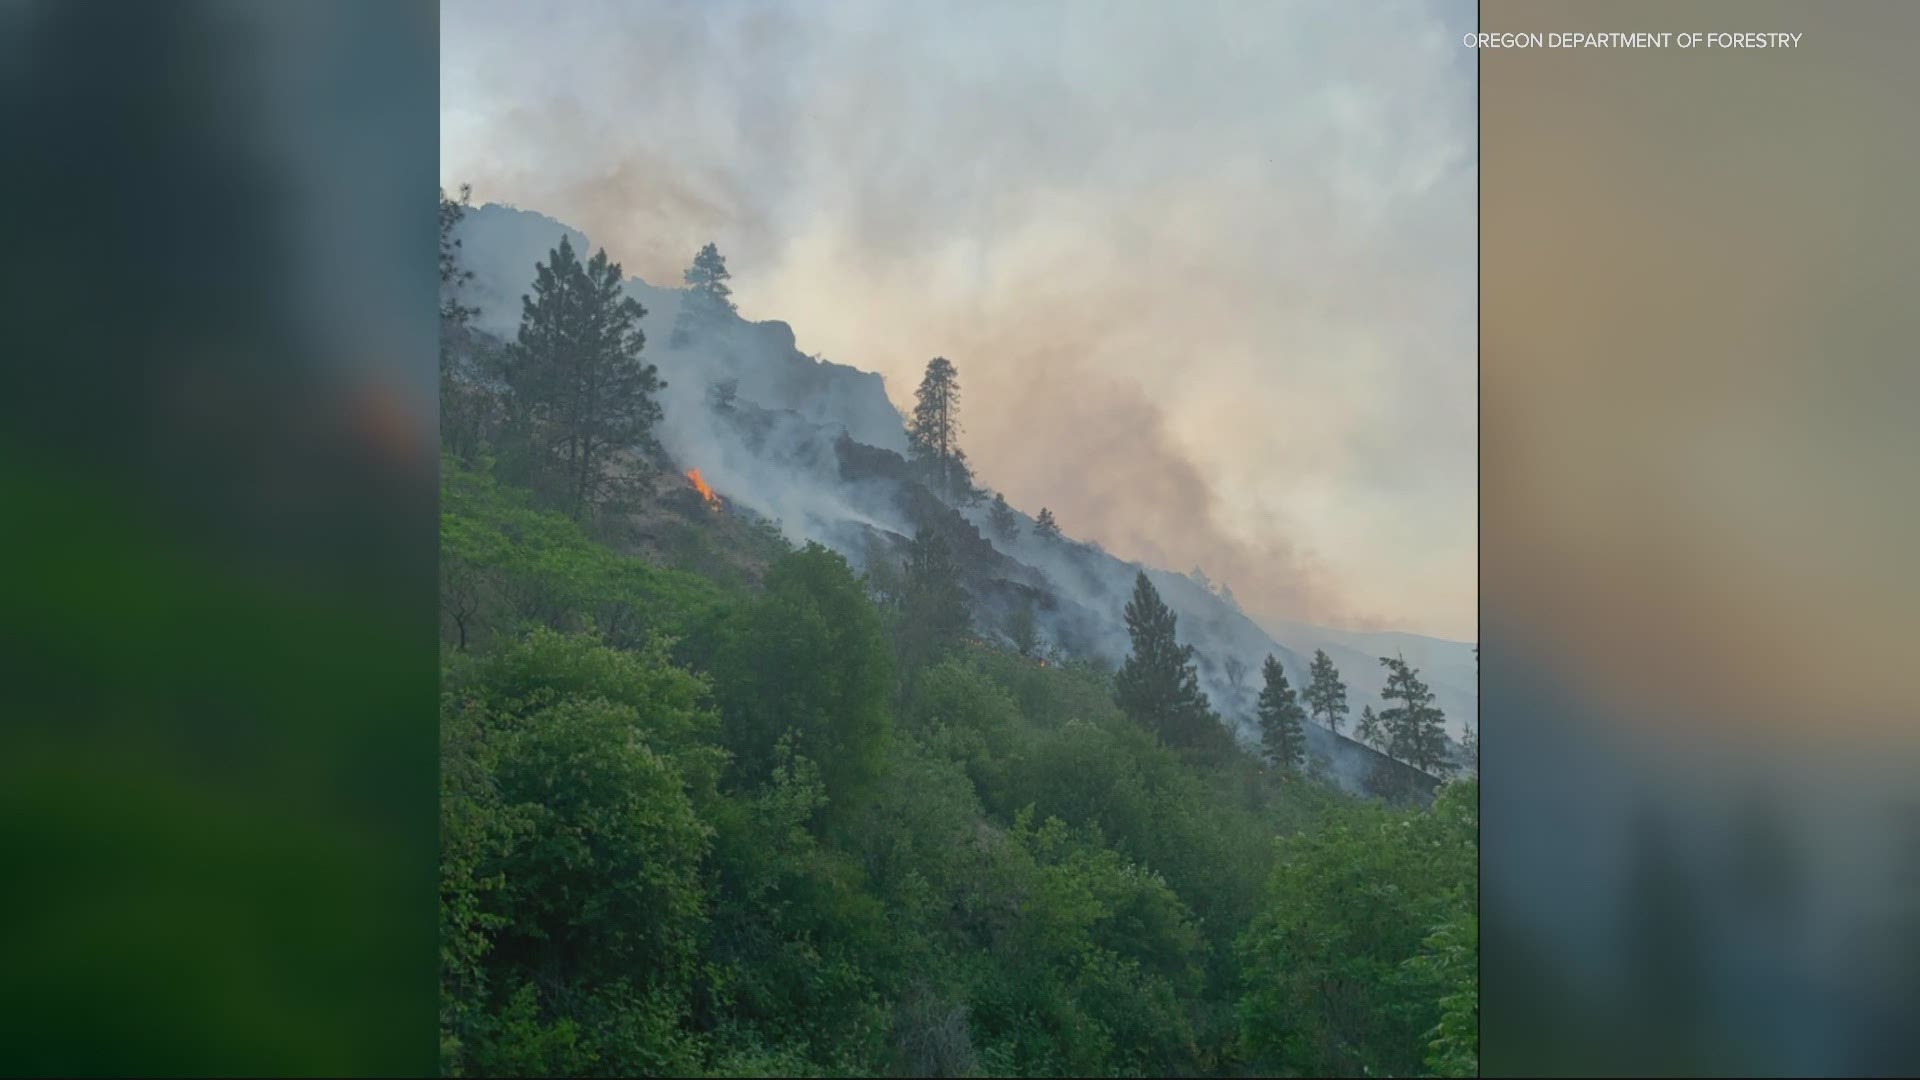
[1164,284]
[798,758]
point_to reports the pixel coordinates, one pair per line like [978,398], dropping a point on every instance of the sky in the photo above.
[1207,271]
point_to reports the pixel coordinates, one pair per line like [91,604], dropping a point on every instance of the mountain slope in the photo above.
[1448,667]
[817,448]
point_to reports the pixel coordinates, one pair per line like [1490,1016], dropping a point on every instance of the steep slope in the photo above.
[1448,667]
[817,448]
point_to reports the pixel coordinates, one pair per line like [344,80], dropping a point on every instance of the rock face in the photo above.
[819,448]
[501,244]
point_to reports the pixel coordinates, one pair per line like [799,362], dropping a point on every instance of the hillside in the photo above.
[816,448]
[1448,667]
[758,757]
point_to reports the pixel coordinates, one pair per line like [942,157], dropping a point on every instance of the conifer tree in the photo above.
[933,432]
[466,404]
[1045,527]
[1001,519]
[1369,731]
[1159,687]
[708,298]
[1414,728]
[1282,735]
[1326,695]
[582,395]
[453,276]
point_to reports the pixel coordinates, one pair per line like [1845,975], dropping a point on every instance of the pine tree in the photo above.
[1159,687]
[581,393]
[933,432]
[1001,519]
[453,276]
[933,608]
[1282,735]
[1414,728]
[466,404]
[708,298]
[1326,694]
[1369,730]
[1045,527]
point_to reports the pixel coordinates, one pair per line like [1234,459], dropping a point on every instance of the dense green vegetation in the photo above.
[701,820]
[706,828]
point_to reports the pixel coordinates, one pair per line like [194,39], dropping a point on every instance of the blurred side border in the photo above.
[217,468]
[1701,850]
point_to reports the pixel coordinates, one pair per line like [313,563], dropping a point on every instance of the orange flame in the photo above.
[700,485]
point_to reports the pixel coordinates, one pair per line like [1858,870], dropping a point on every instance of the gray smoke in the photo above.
[776,452]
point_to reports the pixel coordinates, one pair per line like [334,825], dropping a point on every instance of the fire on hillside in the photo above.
[705,489]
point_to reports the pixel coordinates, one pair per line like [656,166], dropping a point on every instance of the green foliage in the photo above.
[581,401]
[1414,728]
[506,567]
[1451,956]
[933,605]
[1331,982]
[1159,686]
[693,830]
[1326,695]
[793,922]
[469,409]
[962,716]
[572,901]
[807,658]
[1282,735]
[1092,952]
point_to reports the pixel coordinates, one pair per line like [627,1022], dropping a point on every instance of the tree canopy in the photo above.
[1282,735]
[1159,685]
[933,431]
[583,402]
[708,300]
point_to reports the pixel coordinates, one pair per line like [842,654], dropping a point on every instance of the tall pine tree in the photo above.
[1326,694]
[582,397]
[708,299]
[1159,685]
[1282,734]
[467,404]
[933,432]
[1414,727]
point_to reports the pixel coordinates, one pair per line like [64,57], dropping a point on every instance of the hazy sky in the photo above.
[1207,270]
